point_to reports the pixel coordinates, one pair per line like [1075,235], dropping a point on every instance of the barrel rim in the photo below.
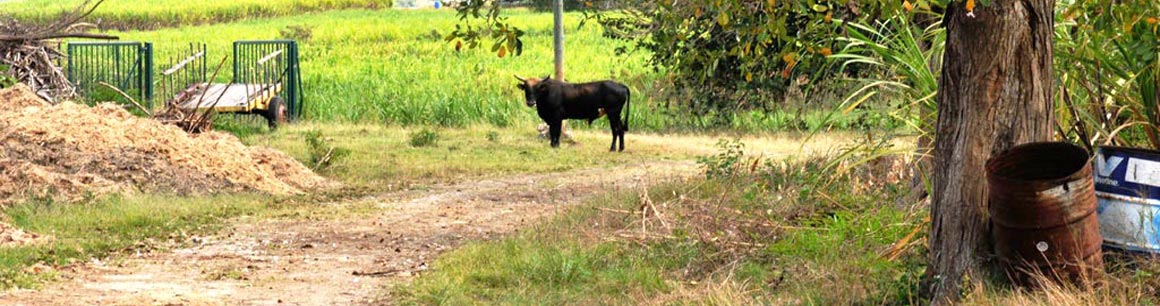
[1082,171]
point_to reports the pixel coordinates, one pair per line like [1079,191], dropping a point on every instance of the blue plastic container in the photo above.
[1128,189]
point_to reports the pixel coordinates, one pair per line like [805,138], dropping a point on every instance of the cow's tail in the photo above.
[627,106]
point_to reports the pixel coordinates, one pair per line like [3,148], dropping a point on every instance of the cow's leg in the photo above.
[554,129]
[623,129]
[617,131]
[612,148]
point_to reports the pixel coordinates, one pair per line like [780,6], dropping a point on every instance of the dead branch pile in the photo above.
[30,51]
[188,119]
[70,151]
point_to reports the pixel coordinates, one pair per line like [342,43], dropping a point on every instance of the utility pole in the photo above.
[558,31]
[558,35]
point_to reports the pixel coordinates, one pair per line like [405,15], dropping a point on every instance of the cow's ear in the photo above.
[522,86]
[548,77]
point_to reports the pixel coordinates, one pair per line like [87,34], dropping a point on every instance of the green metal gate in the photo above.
[271,61]
[128,66]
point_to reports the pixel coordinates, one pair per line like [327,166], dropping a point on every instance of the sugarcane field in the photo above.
[570,152]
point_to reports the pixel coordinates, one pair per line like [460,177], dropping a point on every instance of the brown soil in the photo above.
[343,261]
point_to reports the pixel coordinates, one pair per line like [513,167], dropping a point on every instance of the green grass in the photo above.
[118,224]
[773,236]
[512,272]
[383,158]
[151,14]
[393,67]
[109,227]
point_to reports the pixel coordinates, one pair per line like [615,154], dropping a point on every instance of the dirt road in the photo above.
[346,261]
[351,259]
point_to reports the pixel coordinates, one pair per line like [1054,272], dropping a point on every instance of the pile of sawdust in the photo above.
[17,98]
[69,151]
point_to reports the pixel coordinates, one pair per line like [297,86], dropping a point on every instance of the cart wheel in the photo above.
[276,112]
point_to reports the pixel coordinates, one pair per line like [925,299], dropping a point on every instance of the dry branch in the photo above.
[127,97]
[29,54]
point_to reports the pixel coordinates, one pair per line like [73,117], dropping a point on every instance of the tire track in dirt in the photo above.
[347,261]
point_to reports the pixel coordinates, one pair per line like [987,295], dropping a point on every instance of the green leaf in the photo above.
[723,18]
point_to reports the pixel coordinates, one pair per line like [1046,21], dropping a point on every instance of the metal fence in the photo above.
[271,61]
[127,66]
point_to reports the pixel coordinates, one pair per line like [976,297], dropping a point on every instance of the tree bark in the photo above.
[994,92]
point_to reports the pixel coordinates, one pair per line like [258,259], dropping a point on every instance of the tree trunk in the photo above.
[994,92]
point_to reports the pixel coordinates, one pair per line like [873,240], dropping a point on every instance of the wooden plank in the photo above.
[182,64]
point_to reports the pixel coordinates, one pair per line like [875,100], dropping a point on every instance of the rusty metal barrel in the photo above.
[1042,205]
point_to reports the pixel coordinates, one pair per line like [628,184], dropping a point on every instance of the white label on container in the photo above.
[1143,172]
[1105,166]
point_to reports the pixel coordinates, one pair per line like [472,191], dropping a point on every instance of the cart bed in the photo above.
[234,97]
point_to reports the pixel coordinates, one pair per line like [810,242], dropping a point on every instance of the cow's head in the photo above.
[532,87]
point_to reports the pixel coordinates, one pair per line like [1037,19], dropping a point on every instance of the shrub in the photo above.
[727,162]
[424,138]
[322,154]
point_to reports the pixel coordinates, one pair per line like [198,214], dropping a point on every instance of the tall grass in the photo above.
[393,67]
[1107,63]
[909,58]
[769,232]
[152,14]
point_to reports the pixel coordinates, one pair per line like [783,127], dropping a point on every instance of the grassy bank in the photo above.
[778,233]
[798,232]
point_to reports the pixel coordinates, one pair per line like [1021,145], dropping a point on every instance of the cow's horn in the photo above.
[519,78]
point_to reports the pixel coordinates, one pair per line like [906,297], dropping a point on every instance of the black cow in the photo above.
[555,101]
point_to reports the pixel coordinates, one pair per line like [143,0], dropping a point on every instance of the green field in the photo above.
[146,14]
[394,67]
